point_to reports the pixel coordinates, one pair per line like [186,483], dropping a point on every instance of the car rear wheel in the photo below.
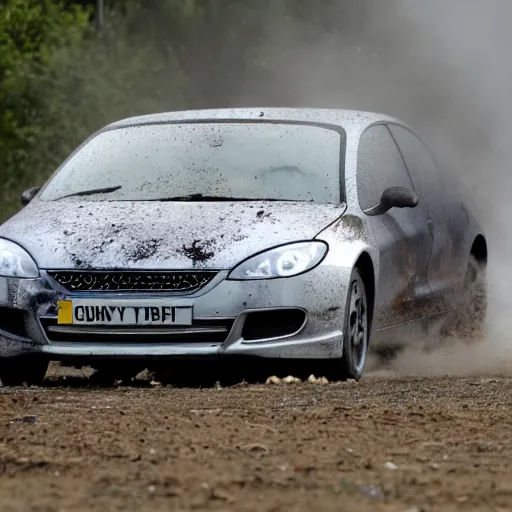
[355,333]
[19,371]
[469,323]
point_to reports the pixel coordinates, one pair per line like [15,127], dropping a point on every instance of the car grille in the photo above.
[96,280]
[213,331]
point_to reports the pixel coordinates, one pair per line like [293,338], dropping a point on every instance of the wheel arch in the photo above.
[479,249]
[365,266]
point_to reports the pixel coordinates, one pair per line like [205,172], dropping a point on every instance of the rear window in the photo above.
[249,160]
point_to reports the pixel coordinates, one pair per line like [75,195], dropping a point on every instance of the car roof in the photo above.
[342,118]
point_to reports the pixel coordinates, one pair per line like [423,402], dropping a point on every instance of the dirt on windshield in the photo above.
[389,443]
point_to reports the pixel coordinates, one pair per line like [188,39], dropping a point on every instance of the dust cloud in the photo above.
[443,67]
[464,83]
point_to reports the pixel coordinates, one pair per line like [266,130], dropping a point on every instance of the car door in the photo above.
[403,236]
[445,266]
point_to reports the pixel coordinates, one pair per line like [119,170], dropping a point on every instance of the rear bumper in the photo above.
[320,293]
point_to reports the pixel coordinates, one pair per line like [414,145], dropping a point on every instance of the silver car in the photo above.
[289,234]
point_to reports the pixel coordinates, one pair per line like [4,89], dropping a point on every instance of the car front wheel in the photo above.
[19,371]
[355,333]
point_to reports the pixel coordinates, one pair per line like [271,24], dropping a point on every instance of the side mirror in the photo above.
[29,194]
[394,197]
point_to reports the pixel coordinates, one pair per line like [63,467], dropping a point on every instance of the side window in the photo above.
[380,166]
[419,161]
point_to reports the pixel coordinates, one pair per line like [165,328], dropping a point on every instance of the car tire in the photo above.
[469,322]
[19,371]
[356,332]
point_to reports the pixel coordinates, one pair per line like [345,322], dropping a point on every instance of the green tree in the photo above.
[30,32]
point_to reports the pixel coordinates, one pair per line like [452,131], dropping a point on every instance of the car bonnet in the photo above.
[160,235]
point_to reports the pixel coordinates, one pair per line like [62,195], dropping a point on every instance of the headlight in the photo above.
[15,261]
[286,261]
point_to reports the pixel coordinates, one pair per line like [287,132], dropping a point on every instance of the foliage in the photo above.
[29,34]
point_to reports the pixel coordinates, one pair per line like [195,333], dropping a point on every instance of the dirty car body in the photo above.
[234,232]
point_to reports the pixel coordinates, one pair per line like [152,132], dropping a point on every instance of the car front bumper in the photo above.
[320,293]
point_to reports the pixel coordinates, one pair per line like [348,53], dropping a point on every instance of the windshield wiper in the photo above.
[201,197]
[92,192]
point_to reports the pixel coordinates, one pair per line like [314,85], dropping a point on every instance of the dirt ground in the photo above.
[386,444]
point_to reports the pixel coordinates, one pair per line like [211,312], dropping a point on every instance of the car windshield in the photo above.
[204,161]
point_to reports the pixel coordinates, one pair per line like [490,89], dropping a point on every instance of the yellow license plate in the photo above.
[65,312]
